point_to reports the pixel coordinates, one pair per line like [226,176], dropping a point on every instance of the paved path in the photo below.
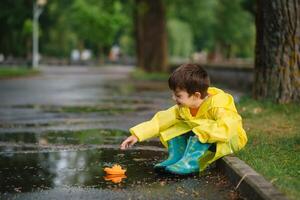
[34,101]
[44,154]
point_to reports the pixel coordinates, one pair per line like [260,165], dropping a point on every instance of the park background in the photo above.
[261,38]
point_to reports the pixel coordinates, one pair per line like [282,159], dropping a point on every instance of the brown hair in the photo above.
[190,77]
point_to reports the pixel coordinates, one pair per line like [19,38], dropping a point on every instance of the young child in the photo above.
[202,127]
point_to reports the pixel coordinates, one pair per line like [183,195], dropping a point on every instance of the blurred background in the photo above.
[97,32]
[76,72]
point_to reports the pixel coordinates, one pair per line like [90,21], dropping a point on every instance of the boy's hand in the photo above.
[128,142]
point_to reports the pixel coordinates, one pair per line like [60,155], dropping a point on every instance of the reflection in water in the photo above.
[30,172]
[94,136]
[75,168]
[114,178]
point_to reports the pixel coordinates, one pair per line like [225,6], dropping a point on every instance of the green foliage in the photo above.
[234,28]
[68,24]
[180,38]
[27,27]
[273,146]
[200,17]
[83,24]
[125,36]
[14,16]
[217,23]
[58,38]
[127,43]
[64,25]
[250,6]
[83,17]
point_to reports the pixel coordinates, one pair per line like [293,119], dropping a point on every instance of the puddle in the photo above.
[52,171]
[94,136]
[70,165]
[71,168]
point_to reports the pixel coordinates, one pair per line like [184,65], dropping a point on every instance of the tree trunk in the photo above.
[277,51]
[151,36]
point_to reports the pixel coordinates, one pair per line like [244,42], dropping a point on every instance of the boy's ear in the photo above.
[197,94]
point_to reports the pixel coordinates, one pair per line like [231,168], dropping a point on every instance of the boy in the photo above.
[202,127]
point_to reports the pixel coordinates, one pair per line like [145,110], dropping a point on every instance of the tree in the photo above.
[57,38]
[277,52]
[151,36]
[225,27]
[15,17]
[199,16]
[234,29]
[96,23]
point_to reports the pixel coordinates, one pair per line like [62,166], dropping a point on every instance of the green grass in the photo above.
[11,72]
[139,74]
[273,148]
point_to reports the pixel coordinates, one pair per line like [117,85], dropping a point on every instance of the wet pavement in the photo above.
[38,103]
[60,129]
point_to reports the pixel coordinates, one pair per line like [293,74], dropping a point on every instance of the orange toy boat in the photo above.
[115,170]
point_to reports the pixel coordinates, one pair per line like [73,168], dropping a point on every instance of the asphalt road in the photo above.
[45,154]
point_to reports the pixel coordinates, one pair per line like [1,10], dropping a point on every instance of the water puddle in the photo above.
[68,164]
[52,171]
[94,136]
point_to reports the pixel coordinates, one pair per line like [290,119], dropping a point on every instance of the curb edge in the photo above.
[247,181]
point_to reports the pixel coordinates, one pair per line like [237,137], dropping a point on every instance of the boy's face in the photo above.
[183,98]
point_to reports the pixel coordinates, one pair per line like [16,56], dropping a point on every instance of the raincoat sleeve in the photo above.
[223,125]
[161,121]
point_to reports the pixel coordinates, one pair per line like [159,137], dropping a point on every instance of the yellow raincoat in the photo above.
[216,121]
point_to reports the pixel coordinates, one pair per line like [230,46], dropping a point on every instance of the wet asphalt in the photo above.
[58,130]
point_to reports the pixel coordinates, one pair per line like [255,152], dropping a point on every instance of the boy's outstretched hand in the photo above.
[128,142]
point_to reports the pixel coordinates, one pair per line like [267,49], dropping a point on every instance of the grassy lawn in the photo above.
[274,142]
[11,72]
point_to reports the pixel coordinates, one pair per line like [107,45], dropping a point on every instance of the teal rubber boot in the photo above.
[189,163]
[176,148]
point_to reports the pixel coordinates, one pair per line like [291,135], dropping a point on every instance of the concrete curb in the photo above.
[248,182]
